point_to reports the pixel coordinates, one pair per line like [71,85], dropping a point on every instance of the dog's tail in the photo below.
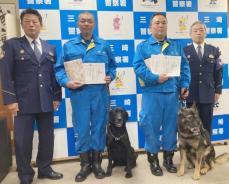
[222,158]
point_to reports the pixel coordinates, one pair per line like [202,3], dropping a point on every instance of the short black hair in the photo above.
[31,11]
[156,14]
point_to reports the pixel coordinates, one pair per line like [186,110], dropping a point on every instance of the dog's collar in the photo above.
[116,138]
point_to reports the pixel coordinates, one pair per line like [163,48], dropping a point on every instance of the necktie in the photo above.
[37,52]
[199,52]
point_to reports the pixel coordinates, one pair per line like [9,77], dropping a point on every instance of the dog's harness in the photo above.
[116,138]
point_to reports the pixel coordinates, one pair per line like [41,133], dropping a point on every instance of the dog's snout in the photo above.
[119,118]
[196,130]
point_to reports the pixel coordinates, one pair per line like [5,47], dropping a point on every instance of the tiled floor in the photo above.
[141,174]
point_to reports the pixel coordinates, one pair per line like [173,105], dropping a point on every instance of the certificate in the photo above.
[86,73]
[164,64]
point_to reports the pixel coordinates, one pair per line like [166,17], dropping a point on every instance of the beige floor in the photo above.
[141,174]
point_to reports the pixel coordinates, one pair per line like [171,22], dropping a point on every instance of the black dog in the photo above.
[120,152]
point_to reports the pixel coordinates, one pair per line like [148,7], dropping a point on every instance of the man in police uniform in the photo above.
[31,93]
[206,74]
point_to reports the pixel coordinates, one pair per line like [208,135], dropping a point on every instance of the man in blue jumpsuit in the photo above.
[206,74]
[31,93]
[90,103]
[160,95]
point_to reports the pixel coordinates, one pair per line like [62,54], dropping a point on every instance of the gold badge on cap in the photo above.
[2,53]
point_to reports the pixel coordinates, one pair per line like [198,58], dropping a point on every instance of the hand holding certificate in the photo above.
[163,64]
[86,73]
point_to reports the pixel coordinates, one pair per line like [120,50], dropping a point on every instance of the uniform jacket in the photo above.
[26,80]
[206,75]
[76,49]
[148,80]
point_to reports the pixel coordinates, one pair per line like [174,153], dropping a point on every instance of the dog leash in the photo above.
[182,100]
[183,103]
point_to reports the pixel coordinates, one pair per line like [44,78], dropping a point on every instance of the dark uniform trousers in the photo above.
[206,113]
[31,84]
[206,81]
[23,136]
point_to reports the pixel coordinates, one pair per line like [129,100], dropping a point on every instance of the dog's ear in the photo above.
[111,113]
[193,105]
[126,115]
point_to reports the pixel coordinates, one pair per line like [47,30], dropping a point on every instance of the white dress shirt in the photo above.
[202,48]
[32,45]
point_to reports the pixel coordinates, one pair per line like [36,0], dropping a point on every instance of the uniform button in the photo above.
[200,73]
[200,65]
[40,75]
[200,82]
[41,85]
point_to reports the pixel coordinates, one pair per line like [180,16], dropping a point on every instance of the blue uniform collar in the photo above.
[153,40]
[78,39]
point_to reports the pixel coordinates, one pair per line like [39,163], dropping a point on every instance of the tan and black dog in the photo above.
[195,144]
[120,152]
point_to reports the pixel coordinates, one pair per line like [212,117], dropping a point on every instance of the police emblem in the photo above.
[52,56]
[50,53]
[2,53]
[188,56]
[211,56]
[22,51]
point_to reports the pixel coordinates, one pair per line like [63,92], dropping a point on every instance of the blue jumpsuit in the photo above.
[90,103]
[159,100]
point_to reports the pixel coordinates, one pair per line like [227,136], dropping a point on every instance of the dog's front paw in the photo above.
[128,175]
[196,176]
[180,172]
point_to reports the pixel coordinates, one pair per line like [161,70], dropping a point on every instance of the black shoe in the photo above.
[85,163]
[98,171]
[84,172]
[96,165]
[50,175]
[154,164]
[168,161]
